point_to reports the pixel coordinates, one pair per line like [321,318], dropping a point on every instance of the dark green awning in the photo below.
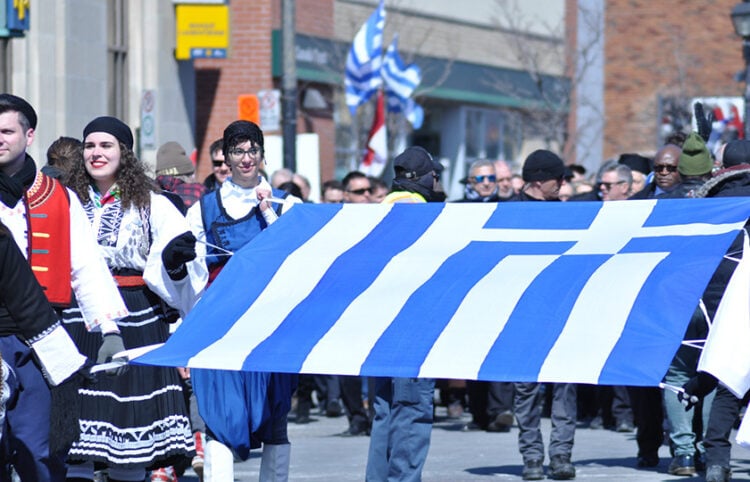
[323,60]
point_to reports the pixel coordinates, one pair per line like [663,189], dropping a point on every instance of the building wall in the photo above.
[60,67]
[663,48]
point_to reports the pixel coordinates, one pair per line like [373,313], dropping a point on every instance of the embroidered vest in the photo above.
[226,232]
[49,238]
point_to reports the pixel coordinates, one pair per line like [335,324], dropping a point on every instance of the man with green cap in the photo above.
[695,165]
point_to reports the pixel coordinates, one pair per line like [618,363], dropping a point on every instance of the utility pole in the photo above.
[288,85]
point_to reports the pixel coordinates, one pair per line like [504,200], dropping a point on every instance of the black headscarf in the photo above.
[13,187]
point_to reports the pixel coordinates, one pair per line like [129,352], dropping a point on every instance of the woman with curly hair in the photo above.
[138,420]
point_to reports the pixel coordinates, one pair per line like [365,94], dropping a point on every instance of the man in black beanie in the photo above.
[543,173]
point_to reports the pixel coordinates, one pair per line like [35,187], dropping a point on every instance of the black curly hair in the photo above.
[135,186]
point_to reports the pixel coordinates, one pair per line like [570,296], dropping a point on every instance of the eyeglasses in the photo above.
[238,153]
[490,178]
[217,163]
[609,185]
[664,167]
[360,192]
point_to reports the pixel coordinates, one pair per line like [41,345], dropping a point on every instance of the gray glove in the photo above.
[111,344]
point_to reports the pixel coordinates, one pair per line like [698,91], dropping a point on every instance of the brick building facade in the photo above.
[659,50]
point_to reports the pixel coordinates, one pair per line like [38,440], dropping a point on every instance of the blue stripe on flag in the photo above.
[252,267]
[565,278]
[402,348]
[544,215]
[681,211]
[666,302]
[351,274]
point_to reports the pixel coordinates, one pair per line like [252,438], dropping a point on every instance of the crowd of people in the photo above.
[99,257]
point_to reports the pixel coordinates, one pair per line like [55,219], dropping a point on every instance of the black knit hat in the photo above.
[542,165]
[414,163]
[636,162]
[736,153]
[110,125]
[241,131]
[10,102]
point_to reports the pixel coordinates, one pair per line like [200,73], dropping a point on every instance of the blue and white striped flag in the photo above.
[363,63]
[554,292]
[400,83]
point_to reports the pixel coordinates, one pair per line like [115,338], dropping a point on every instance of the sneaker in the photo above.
[502,422]
[164,474]
[718,473]
[596,423]
[198,460]
[455,410]
[625,427]
[682,465]
[532,470]
[560,468]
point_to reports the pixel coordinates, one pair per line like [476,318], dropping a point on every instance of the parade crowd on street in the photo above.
[98,256]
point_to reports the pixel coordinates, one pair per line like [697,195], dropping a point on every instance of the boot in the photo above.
[274,465]
[218,465]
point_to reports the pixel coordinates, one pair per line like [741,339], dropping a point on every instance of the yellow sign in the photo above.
[202,31]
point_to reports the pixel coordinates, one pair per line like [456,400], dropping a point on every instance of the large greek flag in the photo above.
[558,292]
[362,77]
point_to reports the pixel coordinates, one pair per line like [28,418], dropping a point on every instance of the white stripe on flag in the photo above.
[295,279]
[598,321]
[367,317]
[496,293]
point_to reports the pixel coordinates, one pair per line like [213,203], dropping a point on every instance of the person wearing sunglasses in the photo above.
[481,183]
[615,181]
[220,170]
[666,177]
[357,188]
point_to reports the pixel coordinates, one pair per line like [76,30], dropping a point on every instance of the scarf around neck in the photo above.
[13,187]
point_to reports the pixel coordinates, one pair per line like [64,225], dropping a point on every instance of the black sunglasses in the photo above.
[217,163]
[662,167]
[360,192]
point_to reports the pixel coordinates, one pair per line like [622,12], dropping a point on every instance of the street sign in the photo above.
[148,119]
[270,109]
[247,108]
[201,31]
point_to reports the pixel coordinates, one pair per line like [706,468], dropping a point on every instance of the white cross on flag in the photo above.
[553,292]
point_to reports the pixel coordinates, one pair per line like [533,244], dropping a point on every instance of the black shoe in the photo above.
[532,470]
[333,409]
[560,468]
[718,473]
[682,465]
[648,460]
[501,423]
[354,431]
[302,418]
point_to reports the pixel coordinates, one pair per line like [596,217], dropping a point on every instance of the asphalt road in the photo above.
[319,454]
